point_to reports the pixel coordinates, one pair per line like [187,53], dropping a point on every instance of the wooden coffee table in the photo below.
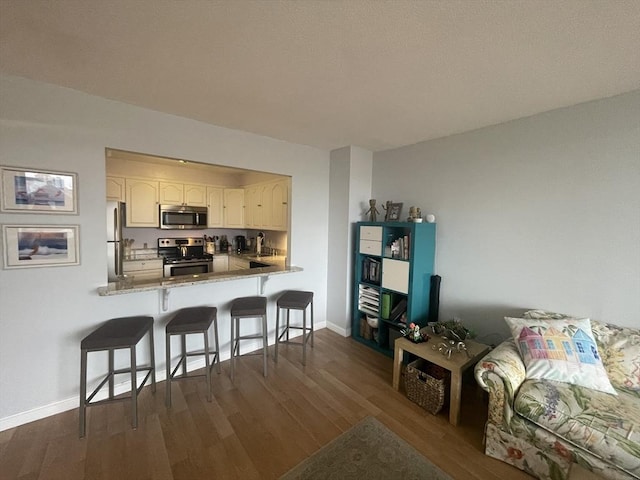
[457,364]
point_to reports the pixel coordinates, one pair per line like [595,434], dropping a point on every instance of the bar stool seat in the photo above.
[295,300]
[192,320]
[117,333]
[248,307]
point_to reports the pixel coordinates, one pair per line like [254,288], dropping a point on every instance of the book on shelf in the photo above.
[385,310]
[400,248]
[398,310]
[371,270]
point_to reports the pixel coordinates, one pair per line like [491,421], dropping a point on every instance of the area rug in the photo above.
[370,451]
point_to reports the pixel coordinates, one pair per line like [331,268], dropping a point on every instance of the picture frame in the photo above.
[394,211]
[28,190]
[28,246]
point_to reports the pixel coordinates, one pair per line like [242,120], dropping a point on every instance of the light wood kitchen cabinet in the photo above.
[142,197]
[220,263]
[116,189]
[150,269]
[251,206]
[255,209]
[215,205]
[237,263]
[234,208]
[172,193]
[267,205]
[265,200]
[279,204]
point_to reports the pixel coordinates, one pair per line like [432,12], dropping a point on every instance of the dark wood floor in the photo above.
[255,428]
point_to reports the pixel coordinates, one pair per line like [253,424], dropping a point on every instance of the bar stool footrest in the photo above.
[88,401]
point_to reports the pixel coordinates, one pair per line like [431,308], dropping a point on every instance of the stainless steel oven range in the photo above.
[184,256]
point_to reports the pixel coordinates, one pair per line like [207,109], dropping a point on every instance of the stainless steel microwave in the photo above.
[182,217]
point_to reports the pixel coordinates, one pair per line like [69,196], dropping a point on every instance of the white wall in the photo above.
[541,212]
[350,190]
[45,312]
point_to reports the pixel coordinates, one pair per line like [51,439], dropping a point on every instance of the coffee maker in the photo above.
[241,244]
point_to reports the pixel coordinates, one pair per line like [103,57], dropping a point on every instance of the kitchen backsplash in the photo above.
[147,238]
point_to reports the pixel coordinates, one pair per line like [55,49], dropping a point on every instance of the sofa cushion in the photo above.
[607,426]
[620,350]
[561,350]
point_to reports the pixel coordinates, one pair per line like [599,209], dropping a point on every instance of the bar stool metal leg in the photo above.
[83,392]
[275,353]
[134,388]
[152,353]
[265,344]
[304,337]
[216,359]
[167,394]
[206,366]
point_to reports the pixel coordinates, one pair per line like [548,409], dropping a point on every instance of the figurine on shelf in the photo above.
[373,211]
[386,210]
[415,215]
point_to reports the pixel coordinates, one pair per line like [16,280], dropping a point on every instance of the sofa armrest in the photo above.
[501,372]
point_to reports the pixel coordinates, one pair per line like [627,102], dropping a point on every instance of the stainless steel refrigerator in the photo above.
[115,247]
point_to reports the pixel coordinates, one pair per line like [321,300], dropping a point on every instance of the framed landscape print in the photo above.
[38,191]
[28,246]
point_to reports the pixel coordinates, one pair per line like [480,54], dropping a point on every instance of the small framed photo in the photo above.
[394,211]
[38,191]
[28,246]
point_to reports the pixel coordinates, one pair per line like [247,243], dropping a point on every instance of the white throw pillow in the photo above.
[560,350]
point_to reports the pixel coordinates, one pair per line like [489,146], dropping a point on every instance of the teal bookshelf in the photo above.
[394,263]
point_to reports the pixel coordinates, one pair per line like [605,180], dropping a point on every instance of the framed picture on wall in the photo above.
[38,191]
[393,214]
[28,246]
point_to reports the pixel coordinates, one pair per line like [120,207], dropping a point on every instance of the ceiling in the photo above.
[373,73]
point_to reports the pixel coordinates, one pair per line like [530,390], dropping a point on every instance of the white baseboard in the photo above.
[60,406]
[339,330]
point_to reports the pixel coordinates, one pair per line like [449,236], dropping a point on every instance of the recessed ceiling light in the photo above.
[182,161]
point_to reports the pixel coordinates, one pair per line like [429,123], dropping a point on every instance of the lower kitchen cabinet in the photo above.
[149,269]
[238,263]
[220,263]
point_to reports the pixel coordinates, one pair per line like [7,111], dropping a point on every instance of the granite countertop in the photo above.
[134,286]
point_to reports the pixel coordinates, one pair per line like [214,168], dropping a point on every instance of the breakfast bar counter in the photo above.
[125,286]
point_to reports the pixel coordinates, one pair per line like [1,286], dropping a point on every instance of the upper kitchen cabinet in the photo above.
[252,204]
[267,205]
[215,205]
[142,202]
[257,213]
[116,189]
[172,193]
[280,205]
[233,208]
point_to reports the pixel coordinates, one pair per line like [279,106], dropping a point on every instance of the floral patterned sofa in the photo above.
[544,427]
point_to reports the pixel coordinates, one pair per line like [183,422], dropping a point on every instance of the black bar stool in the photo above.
[295,300]
[117,333]
[192,320]
[248,307]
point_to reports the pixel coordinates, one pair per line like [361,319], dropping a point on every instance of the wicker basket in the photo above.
[427,385]
[366,331]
